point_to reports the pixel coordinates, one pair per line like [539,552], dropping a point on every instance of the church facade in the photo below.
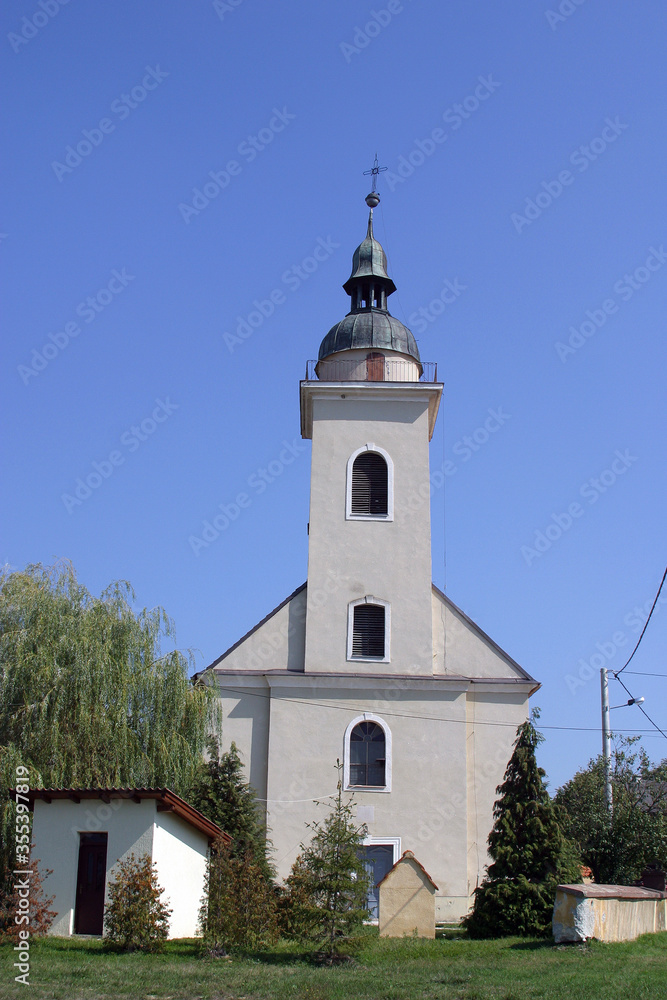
[368,662]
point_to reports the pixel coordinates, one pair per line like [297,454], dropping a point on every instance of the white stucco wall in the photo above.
[56,832]
[461,649]
[351,559]
[180,851]
[451,742]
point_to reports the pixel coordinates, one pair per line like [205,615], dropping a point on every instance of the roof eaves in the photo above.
[168,799]
[408,856]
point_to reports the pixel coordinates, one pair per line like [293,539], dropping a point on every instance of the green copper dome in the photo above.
[369,324]
[371,328]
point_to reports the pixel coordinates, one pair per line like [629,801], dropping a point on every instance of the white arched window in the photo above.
[367,754]
[368,629]
[370,485]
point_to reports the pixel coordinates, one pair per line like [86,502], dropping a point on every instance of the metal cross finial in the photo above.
[374,171]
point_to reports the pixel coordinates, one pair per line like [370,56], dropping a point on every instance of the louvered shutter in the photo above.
[370,492]
[368,630]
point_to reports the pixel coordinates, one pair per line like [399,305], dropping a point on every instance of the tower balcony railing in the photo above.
[371,369]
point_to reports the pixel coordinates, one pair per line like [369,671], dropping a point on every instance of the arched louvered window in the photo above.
[368,631]
[370,487]
[367,755]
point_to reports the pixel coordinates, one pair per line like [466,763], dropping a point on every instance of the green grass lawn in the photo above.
[451,968]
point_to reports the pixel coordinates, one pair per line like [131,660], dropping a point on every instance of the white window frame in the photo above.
[369,717]
[369,599]
[389,516]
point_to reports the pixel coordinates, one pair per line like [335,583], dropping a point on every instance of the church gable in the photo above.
[277,642]
[462,649]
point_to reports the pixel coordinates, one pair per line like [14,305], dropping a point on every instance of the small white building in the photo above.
[81,833]
[368,661]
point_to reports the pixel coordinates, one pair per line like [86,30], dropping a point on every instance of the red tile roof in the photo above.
[167,801]
[408,856]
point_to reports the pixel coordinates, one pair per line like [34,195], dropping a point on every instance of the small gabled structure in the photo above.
[81,834]
[407,900]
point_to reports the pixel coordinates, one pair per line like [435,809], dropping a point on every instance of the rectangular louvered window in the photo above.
[368,631]
[370,491]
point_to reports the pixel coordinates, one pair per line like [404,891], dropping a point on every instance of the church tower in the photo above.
[369,405]
[368,663]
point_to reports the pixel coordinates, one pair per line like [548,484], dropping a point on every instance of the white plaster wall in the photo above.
[461,650]
[56,832]
[493,718]
[278,644]
[245,721]
[426,808]
[348,560]
[179,852]
[351,365]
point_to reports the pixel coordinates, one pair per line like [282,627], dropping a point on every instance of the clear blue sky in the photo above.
[540,197]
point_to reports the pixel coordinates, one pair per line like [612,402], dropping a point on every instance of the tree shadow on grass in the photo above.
[533,945]
[292,958]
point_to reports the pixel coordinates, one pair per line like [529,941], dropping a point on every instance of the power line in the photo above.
[432,718]
[641,707]
[643,673]
[664,575]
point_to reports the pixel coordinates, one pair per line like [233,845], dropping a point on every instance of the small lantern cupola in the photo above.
[369,326]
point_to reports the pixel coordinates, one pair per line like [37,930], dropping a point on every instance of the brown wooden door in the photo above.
[375,367]
[90,883]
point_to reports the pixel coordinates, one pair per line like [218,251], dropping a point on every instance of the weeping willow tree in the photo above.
[87,697]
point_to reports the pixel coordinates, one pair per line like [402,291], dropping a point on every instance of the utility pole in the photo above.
[606,740]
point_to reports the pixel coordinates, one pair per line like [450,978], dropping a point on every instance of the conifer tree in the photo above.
[530,854]
[223,795]
[327,889]
[239,907]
